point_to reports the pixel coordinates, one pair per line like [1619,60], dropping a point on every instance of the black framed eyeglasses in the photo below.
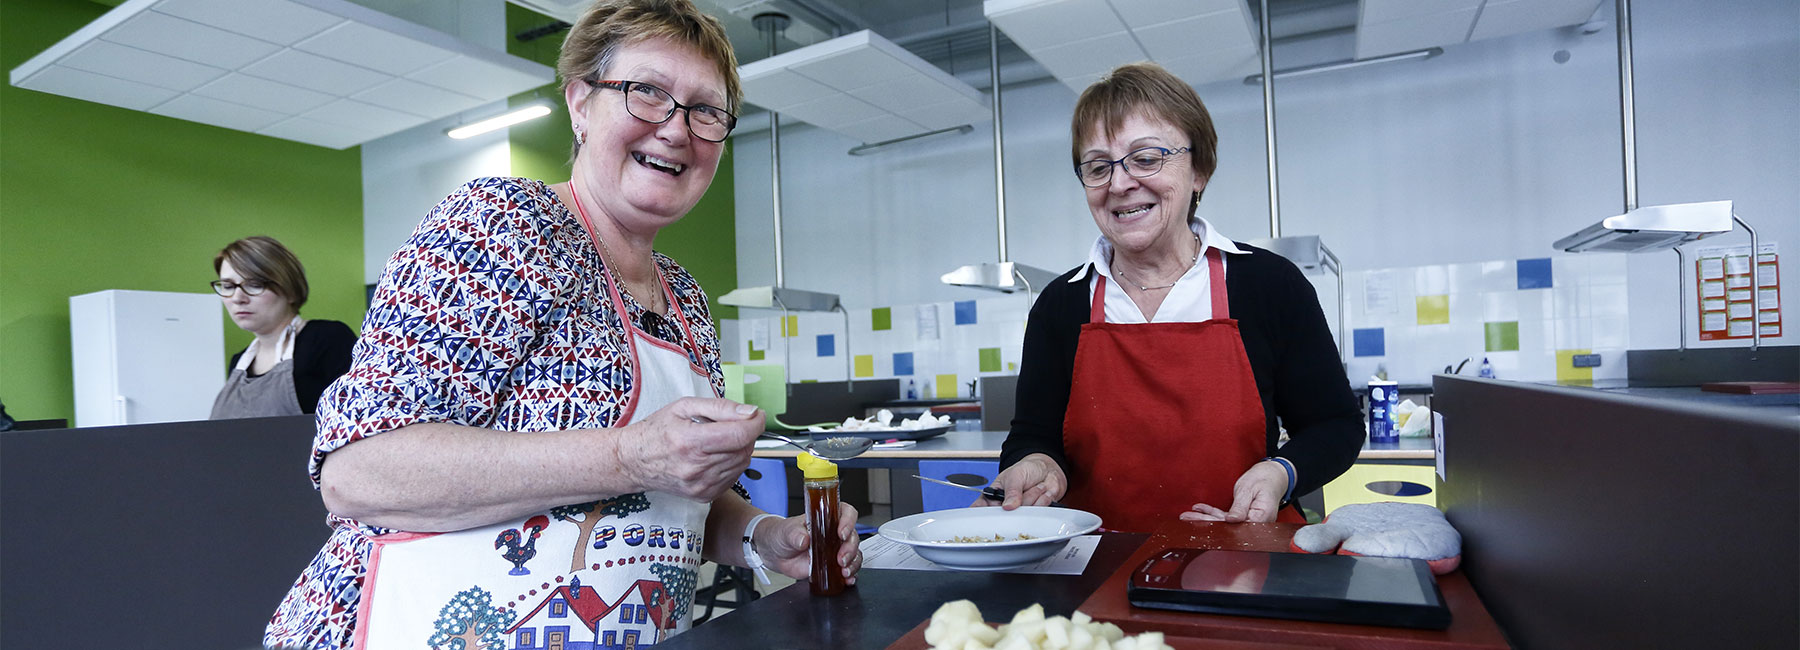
[655,105]
[251,287]
[1141,163]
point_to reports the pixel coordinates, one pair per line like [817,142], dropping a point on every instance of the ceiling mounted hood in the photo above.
[1079,41]
[863,86]
[1651,228]
[324,72]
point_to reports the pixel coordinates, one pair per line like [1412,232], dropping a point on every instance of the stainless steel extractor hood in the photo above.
[1313,258]
[1005,277]
[1651,228]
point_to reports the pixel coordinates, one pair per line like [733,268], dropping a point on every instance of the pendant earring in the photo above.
[580,137]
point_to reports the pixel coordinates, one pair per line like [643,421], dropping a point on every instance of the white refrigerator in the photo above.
[145,356]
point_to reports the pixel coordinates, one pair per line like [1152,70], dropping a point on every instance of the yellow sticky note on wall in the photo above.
[1434,310]
[946,386]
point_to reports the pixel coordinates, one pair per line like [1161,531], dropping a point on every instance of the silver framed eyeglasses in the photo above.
[655,105]
[1141,163]
[251,287]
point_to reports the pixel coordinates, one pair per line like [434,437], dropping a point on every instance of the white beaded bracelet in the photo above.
[751,559]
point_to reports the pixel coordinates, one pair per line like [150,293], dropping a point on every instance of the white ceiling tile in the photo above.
[417,98]
[1504,17]
[1144,13]
[881,128]
[1210,33]
[352,113]
[854,68]
[1080,83]
[375,49]
[946,115]
[1058,22]
[263,93]
[275,21]
[1413,33]
[778,89]
[189,40]
[115,60]
[475,77]
[315,72]
[1214,66]
[1381,11]
[833,110]
[1093,56]
[335,136]
[899,95]
[85,85]
[206,110]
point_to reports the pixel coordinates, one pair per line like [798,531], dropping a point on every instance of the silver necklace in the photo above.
[1190,264]
[626,288]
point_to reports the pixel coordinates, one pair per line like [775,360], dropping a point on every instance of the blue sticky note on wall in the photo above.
[965,312]
[1369,342]
[1534,273]
[903,363]
[827,345]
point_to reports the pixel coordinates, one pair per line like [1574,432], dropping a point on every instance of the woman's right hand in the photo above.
[693,448]
[1036,480]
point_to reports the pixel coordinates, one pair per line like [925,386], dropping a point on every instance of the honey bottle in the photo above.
[827,577]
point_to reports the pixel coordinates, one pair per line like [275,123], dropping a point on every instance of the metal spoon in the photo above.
[833,448]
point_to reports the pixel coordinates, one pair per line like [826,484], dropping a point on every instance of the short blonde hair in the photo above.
[265,260]
[1148,89]
[610,25]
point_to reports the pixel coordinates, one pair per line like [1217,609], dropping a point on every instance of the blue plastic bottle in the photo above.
[1487,369]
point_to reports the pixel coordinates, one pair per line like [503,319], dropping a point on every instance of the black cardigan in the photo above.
[321,355]
[1286,337]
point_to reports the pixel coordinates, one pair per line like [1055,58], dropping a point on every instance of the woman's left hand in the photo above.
[789,543]
[1256,497]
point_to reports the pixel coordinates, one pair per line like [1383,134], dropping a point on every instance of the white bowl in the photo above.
[1049,529]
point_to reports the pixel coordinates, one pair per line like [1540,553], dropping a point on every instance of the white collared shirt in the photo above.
[1189,301]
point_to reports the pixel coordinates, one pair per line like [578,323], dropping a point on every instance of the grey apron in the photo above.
[266,395]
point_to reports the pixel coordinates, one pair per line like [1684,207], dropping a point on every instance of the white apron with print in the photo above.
[618,573]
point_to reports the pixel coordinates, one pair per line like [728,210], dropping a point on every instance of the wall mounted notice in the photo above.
[1723,289]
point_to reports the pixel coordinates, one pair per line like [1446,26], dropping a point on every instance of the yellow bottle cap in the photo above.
[815,467]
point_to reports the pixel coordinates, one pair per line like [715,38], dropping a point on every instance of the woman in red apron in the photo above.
[1155,379]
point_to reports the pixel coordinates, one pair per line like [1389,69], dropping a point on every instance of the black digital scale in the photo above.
[1357,589]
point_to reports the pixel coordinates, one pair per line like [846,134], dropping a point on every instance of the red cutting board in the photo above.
[1752,387]
[1470,625]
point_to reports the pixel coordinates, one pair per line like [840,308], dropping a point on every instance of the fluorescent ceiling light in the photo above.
[522,114]
[1303,71]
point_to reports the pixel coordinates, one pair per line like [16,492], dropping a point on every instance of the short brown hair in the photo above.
[1149,89]
[613,24]
[265,260]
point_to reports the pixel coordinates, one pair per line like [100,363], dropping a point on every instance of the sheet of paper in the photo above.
[883,553]
[928,322]
[1378,293]
[759,333]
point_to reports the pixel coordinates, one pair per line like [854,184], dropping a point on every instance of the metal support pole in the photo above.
[1627,111]
[1755,292]
[1268,88]
[999,142]
[1681,300]
[771,24]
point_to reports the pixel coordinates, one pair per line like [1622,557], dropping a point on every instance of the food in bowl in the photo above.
[958,625]
[977,539]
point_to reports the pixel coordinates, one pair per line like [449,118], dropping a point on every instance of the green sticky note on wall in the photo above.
[1503,336]
[1434,310]
[990,359]
[946,386]
[865,365]
[882,319]
[755,354]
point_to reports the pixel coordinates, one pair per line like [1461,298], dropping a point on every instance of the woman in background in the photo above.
[292,360]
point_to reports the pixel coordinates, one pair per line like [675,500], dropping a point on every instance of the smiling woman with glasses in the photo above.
[531,365]
[1174,352]
[291,361]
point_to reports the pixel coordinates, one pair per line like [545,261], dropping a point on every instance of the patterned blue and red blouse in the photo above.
[493,314]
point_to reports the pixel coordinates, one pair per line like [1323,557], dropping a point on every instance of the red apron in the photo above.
[1161,415]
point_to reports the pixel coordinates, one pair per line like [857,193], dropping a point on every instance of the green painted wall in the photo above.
[704,242]
[94,197]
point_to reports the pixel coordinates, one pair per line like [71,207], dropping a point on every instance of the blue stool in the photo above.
[766,481]
[973,473]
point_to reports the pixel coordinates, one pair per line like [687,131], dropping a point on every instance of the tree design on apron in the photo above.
[591,513]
